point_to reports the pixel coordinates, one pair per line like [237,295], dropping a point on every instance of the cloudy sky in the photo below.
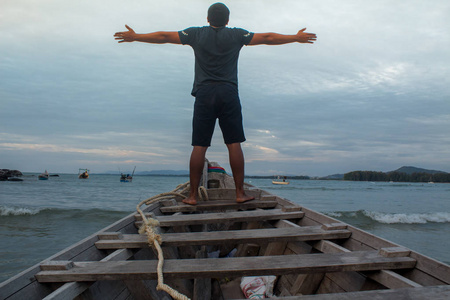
[373,93]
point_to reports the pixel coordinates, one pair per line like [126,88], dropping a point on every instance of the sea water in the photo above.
[38,218]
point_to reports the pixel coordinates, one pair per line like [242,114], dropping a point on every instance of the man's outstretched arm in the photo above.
[271,38]
[159,37]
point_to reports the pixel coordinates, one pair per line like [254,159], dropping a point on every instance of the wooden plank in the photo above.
[57,265]
[226,217]
[227,267]
[202,286]
[230,194]
[391,279]
[219,205]
[260,236]
[385,277]
[291,208]
[24,286]
[348,281]
[140,289]
[306,283]
[334,226]
[71,290]
[432,267]
[394,251]
[431,292]
[68,290]
[110,236]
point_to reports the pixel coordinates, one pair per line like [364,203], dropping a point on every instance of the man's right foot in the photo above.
[244,198]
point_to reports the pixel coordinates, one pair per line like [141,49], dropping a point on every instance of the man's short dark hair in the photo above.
[218,14]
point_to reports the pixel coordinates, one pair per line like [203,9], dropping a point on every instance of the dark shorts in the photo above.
[217,101]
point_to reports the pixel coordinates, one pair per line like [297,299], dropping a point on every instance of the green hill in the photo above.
[410,170]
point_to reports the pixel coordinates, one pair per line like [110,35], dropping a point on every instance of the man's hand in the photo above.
[271,38]
[305,37]
[126,36]
[159,37]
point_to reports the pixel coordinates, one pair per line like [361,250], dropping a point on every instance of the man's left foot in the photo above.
[190,201]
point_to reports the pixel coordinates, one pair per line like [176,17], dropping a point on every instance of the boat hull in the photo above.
[280,182]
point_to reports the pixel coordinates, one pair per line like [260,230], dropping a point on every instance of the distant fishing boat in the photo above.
[280,180]
[83,173]
[43,176]
[127,177]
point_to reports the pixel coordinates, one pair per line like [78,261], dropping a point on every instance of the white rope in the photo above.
[154,239]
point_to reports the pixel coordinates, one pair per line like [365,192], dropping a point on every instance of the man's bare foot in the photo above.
[190,201]
[244,198]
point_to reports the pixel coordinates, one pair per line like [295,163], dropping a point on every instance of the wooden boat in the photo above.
[83,173]
[311,255]
[127,177]
[280,180]
[43,176]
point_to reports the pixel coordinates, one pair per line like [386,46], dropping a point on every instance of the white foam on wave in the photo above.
[334,214]
[389,218]
[17,211]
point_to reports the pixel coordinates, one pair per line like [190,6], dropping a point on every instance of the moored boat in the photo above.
[213,247]
[83,173]
[43,176]
[127,177]
[280,180]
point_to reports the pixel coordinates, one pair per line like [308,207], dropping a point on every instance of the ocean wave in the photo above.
[393,218]
[13,211]
[18,211]
[436,217]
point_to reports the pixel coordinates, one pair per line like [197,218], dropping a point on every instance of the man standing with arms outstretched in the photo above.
[216,49]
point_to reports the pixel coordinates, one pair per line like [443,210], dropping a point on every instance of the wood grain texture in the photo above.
[259,236]
[223,267]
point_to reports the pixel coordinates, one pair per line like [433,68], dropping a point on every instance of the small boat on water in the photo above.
[127,177]
[280,180]
[83,173]
[221,249]
[43,176]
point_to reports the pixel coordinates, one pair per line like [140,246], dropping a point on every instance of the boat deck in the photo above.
[312,255]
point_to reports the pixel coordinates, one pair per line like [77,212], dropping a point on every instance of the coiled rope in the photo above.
[154,239]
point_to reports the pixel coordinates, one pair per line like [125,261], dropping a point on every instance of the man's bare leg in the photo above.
[237,166]
[196,165]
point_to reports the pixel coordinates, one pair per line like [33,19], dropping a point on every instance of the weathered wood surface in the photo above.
[71,290]
[310,233]
[428,271]
[202,286]
[24,286]
[226,217]
[219,205]
[388,278]
[420,293]
[225,267]
[230,194]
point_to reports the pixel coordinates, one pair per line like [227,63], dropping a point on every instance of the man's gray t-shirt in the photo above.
[216,53]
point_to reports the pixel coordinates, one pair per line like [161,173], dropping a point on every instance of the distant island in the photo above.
[403,174]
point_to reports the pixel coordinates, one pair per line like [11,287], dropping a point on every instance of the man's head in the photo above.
[218,15]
